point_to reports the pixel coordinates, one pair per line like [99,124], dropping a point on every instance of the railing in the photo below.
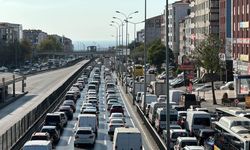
[15,137]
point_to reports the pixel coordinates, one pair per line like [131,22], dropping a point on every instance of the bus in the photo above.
[138,70]
[233,111]
[232,133]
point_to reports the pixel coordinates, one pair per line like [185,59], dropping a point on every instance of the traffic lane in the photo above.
[147,139]
[48,82]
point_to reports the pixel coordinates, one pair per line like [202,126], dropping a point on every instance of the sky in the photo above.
[80,20]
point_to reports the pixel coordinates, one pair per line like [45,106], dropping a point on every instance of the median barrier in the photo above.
[15,137]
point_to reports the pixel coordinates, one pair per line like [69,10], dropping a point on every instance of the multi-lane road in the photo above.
[39,87]
[103,141]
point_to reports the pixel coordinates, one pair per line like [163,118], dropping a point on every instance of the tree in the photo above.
[50,44]
[206,55]
[26,49]
[157,54]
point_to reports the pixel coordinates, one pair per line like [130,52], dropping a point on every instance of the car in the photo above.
[111,102]
[185,141]
[78,85]
[193,148]
[117,116]
[116,108]
[90,110]
[204,88]
[53,119]
[85,105]
[115,123]
[84,135]
[54,135]
[40,136]
[71,95]
[37,145]
[64,117]
[68,110]
[228,86]
[70,103]
[17,71]
[111,96]
[76,90]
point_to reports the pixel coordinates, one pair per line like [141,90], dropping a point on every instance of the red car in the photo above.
[116,108]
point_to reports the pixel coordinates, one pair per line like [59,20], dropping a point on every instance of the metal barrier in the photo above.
[15,137]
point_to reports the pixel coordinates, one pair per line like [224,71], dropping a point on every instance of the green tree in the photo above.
[50,44]
[26,49]
[206,55]
[157,54]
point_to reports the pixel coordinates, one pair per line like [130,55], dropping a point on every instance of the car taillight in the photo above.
[91,136]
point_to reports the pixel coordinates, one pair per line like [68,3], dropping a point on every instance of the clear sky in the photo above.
[80,20]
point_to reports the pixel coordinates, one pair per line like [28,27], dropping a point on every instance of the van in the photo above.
[197,120]
[152,111]
[160,118]
[149,99]
[37,145]
[88,120]
[175,95]
[127,139]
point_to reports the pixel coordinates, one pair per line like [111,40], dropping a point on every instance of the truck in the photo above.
[139,87]
[150,78]
[158,88]
[186,100]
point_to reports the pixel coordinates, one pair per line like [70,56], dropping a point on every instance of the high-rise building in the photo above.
[241,36]
[153,28]
[177,11]
[10,33]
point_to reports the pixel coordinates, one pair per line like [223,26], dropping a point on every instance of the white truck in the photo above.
[139,87]
[150,78]
[158,88]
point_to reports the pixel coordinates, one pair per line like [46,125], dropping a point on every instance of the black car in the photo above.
[53,119]
[54,135]
[68,110]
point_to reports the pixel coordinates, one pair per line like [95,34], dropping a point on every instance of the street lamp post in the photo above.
[116,42]
[126,57]
[121,45]
[167,78]
[145,58]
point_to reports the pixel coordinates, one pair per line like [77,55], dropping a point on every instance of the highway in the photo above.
[39,87]
[103,140]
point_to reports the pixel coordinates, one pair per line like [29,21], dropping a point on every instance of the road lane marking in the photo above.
[105,140]
[104,116]
[74,126]
[69,139]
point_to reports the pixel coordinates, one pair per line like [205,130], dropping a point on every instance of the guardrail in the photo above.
[18,134]
[160,143]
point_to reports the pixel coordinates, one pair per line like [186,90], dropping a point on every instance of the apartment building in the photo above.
[241,36]
[35,37]
[153,28]
[10,32]
[177,11]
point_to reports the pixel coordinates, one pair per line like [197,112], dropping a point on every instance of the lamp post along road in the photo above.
[127,17]
[121,54]
[167,78]
[145,58]
[116,43]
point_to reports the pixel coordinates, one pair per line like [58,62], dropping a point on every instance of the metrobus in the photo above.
[232,133]
[233,111]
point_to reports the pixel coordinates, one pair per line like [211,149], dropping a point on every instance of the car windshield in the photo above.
[117,115]
[179,134]
[116,121]
[202,121]
[83,132]
[188,143]
[52,119]
[39,137]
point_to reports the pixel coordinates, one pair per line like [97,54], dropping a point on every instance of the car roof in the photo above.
[49,127]
[37,142]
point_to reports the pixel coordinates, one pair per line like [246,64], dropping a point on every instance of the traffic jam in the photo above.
[92,116]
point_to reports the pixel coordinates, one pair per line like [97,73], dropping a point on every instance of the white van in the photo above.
[160,118]
[88,120]
[127,139]
[197,120]
[37,145]
[149,99]
[152,111]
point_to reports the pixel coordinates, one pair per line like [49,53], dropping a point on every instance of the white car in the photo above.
[204,88]
[228,86]
[115,123]
[117,116]
[84,135]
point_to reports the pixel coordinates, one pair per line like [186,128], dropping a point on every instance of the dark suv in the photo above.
[53,119]
[116,108]
[54,135]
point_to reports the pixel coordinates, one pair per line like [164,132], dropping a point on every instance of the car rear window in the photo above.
[83,132]
[52,119]
[39,138]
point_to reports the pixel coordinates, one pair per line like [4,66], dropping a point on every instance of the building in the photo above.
[153,28]
[241,36]
[140,36]
[177,11]
[185,45]
[10,32]
[66,42]
[35,37]
[205,18]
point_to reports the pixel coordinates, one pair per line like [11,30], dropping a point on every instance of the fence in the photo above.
[18,134]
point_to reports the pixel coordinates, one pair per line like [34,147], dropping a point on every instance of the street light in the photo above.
[122,22]
[167,78]
[127,17]
[116,42]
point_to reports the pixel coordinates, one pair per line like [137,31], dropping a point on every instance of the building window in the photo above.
[247,8]
[234,26]
[243,9]
[234,10]
[238,10]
